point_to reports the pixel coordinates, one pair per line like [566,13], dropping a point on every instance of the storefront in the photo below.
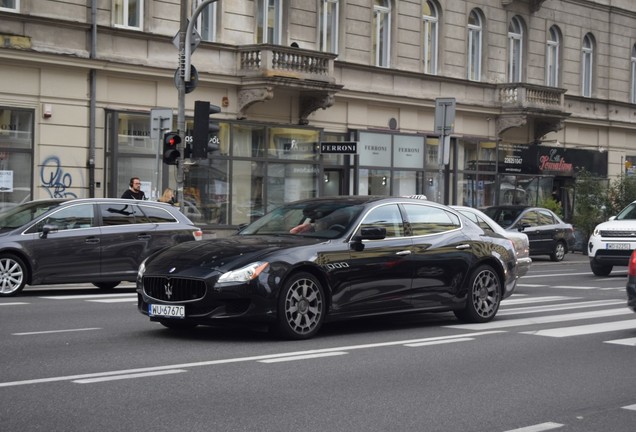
[16,160]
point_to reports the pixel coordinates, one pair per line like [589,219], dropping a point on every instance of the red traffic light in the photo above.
[170,152]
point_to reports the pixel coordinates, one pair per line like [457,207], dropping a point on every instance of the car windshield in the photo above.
[503,216]
[628,212]
[24,213]
[323,219]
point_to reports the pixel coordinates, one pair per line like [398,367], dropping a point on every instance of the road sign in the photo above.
[444,116]
[189,85]
[195,40]
[160,121]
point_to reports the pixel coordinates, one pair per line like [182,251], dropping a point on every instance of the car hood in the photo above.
[196,259]
[618,225]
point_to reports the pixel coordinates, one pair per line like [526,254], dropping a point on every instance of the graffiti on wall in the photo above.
[55,180]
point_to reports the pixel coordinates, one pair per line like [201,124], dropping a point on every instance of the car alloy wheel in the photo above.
[483,297]
[13,275]
[559,252]
[301,307]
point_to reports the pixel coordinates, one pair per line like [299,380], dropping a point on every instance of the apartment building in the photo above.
[319,97]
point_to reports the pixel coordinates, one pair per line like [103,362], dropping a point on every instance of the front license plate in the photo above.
[166,311]
[618,246]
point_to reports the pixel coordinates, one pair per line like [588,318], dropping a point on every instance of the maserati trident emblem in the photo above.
[168,288]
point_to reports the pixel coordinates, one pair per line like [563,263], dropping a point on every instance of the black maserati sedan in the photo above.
[332,258]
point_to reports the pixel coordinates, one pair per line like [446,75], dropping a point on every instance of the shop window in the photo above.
[632,97]
[16,159]
[293,143]
[128,13]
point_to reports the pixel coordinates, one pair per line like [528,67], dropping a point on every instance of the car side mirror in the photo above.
[522,227]
[48,228]
[367,233]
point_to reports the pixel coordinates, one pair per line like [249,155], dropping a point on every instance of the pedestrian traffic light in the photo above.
[202,143]
[171,141]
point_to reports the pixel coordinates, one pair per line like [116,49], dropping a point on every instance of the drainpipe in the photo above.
[90,164]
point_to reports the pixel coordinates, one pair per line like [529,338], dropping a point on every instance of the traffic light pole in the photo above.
[185,51]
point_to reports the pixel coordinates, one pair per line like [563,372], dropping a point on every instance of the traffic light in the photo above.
[203,127]
[171,141]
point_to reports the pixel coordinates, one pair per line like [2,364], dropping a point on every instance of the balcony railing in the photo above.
[523,96]
[290,62]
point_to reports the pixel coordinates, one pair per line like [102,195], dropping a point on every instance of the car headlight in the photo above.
[244,274]
[141,270]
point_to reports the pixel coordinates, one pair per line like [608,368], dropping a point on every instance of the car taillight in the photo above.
[198,235]
[631,270]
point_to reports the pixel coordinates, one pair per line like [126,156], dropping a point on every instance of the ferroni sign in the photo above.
[339,147]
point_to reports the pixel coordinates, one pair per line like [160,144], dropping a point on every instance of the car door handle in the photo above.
[404,252]
[91,240]
[462,246]
[143,236]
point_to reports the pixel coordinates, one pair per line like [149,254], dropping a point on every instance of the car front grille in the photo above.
[173,289]
[618,234]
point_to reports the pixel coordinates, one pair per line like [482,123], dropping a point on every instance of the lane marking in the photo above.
[556,275]
[88,296]
[531,285]
[527,300]
[128,376]
[55,331]
[227,361]
[303,357]
[585,329]
[628,342]
[13,304]
[538,427]
[116,300]
[562,306]
[439,342]
[630,407]
[575,287]
[543,319]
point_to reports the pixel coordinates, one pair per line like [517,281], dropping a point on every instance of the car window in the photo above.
[529,218]
[387,217]
[121,214]
[479,221]
[157,215]
[430,220]
[628,212]
[23,214]
[545,218]
[68,218]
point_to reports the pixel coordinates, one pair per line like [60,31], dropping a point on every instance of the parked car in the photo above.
[547,233]
[102,241]
[350,257]
[519,240]
[612,242]
[631,282]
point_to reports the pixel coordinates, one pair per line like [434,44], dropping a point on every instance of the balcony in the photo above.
[521,102]
[265,68]
[533,5]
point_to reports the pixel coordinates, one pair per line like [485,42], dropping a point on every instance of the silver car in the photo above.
[519,239]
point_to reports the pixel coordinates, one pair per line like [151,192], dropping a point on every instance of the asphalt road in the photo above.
[559,356]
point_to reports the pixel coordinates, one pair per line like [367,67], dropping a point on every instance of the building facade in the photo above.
[466,102]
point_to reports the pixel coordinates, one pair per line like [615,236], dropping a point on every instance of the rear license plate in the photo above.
[619,246]
[166,311]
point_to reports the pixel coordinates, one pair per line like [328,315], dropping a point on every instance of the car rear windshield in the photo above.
[503,216]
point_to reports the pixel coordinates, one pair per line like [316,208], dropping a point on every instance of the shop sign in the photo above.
[339,147]
[6,181]
[553,161]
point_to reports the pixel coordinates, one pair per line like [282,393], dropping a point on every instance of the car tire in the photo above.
[600,269]
[483,297]
[13,275]
[106,285]
[178,325]
[301,307]
[559,252]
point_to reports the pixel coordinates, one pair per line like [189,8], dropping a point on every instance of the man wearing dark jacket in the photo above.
[134,191]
